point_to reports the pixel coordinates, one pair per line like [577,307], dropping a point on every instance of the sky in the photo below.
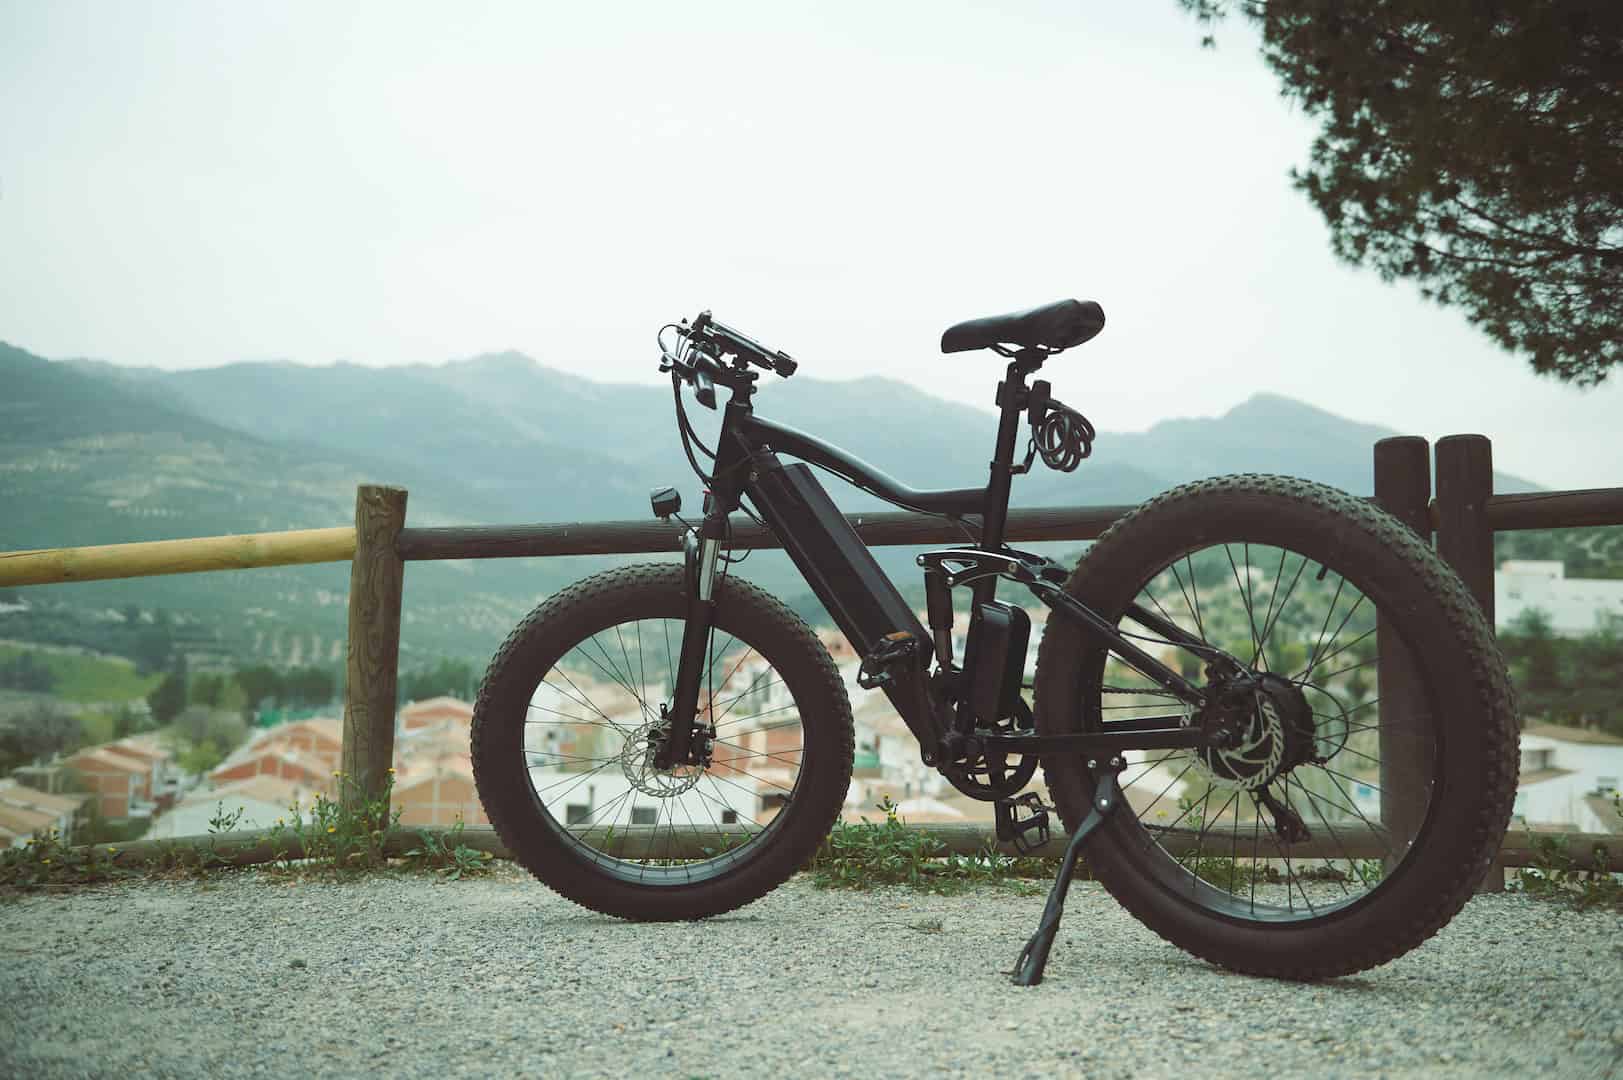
[189,184]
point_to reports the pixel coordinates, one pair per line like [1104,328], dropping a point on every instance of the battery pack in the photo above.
[995,658]
[832,557]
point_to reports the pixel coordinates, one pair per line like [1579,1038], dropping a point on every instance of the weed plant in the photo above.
[335,836]
[1553,876]
[447,856]
[325,837]
[868,854]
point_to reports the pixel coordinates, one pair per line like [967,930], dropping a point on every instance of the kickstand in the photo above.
[1028,969]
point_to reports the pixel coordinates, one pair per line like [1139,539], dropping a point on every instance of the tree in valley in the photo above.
[450,678]
[37,733]
[308,686]
[1577,682]
[1475,149]
[168,698]
[259,684]
[150,647]
[207,688]
[208,735]
[26,671]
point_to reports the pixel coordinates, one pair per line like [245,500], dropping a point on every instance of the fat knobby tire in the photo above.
[1460,664]
[656,592]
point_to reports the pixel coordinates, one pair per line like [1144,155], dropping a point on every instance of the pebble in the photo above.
[496,975]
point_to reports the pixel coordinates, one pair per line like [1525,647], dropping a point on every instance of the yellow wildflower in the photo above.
[332,828]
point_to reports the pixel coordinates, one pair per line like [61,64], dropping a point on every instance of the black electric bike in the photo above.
[1276,720]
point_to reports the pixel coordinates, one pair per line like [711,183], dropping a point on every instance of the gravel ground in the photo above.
[260,974]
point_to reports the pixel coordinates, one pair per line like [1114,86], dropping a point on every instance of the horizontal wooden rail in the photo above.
[1555,509]
[1521,847]
[155,557]
[639,537]
[1528,510]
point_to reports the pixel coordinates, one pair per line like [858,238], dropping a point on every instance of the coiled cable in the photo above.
[1063,437]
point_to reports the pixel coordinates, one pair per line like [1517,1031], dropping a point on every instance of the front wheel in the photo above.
[569,718]
[1367,780]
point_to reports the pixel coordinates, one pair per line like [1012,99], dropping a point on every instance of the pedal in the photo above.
[876,669]
[1012,827]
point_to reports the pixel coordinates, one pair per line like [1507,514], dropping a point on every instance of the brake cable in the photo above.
[676,361]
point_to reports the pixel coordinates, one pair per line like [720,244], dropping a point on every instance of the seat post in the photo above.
[1011,399]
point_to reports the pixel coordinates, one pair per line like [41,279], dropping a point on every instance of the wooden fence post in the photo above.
[1465,539]
[1403,489]
[375,580]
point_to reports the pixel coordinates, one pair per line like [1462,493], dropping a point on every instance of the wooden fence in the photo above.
[1461,516]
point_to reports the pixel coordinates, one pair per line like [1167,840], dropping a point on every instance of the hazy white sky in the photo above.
[190,184]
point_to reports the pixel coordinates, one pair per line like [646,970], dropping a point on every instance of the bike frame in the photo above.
[871,612]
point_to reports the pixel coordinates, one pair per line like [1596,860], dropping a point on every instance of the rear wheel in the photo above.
[569,718]
[1370,776]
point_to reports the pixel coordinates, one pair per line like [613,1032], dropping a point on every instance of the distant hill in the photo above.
[93,453]
[86,459]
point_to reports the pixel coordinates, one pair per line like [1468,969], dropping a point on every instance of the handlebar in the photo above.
[728,340]
[700,364]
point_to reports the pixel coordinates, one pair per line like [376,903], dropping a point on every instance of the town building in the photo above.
[1574,606]
[65,810]
[1568,778]
[432,712]
[257,802]
[121,783]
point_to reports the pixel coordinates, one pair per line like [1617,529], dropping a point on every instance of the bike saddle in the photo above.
[1053,326]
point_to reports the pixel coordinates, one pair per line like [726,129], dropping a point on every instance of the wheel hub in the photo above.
[1268,730]
[637,763]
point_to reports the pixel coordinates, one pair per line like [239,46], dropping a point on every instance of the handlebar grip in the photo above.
[704,386]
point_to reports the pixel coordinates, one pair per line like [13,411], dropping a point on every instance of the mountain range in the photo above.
[96,453]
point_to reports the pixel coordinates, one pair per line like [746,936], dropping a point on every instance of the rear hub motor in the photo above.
[1268,730]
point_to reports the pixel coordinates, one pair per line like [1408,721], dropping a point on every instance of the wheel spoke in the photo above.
[1245,596]
[1194,610]
[1257,601]
[586,752]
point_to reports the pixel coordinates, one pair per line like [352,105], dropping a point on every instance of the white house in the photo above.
[1562,769]
[1574,606]
[258,802]
[582,743]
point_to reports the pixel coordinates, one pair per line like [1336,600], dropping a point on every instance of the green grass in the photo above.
[866,855]
[87,679]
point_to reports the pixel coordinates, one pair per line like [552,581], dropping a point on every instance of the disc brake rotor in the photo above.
[1256,755]
[637,763]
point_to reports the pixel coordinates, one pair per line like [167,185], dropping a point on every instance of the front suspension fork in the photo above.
[677,746]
